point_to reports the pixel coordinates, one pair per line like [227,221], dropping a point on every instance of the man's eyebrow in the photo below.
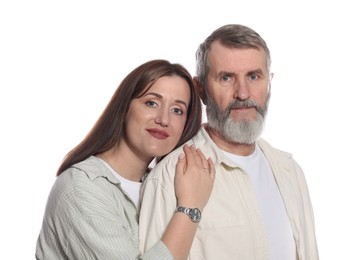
[256,71]
[223,72]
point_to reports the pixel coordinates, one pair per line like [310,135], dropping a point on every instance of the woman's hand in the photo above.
[194,178]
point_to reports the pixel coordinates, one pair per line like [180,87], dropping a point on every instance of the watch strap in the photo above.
[193,213]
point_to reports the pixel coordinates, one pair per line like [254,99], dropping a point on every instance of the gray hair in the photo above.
[232,36]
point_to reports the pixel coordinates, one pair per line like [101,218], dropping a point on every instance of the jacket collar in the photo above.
[277,159]
[95,168]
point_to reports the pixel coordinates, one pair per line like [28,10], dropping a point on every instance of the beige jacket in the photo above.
[231,225]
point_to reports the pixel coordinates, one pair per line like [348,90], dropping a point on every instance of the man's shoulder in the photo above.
[276,156]
[168,163]
[267,148]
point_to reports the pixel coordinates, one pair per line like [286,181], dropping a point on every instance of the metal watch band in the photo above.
[193,213]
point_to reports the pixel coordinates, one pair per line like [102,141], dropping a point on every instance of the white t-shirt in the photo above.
[131,187]
[281,240]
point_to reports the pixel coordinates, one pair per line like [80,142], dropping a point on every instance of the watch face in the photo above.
[195,215]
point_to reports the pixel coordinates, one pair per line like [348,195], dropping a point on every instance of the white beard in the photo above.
[243,131]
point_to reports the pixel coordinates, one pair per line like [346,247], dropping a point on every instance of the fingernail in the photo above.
[181,156]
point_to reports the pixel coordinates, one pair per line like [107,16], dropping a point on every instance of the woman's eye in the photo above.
[151,103]
[178,111]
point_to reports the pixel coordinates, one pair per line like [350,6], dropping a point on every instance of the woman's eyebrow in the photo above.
[160,97]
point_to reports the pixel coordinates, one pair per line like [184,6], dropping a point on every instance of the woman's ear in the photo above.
[200,90]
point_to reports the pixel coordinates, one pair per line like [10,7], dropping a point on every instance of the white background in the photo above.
[60,62]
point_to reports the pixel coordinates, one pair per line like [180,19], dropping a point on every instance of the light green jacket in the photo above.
[89,216]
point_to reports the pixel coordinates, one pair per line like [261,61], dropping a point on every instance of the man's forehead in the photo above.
[232,60]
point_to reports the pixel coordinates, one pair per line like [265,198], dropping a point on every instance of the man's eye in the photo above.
[253,76]
[225,78]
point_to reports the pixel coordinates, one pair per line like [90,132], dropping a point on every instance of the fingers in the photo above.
[203,159]
[194,178]
[207,164]
[193,157]
[181,164]
[189,157]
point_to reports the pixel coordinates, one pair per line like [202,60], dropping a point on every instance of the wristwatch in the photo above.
[193,213]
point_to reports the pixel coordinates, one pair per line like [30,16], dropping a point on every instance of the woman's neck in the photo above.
[125,162]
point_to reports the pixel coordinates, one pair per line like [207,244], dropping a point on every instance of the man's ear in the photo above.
[270,80]
[200,90]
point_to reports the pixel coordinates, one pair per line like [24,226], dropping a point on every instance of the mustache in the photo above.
[243,104]
[248,103]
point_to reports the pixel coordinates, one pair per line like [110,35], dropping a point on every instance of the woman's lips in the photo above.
[157,133]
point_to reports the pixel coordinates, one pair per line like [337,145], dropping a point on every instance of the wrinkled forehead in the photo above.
[232,59]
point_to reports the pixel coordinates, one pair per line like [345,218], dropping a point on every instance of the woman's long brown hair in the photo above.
[109,128]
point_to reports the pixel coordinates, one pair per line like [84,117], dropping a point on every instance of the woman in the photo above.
[92,210]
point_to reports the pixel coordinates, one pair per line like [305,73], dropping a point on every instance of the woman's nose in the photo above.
[162,118]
